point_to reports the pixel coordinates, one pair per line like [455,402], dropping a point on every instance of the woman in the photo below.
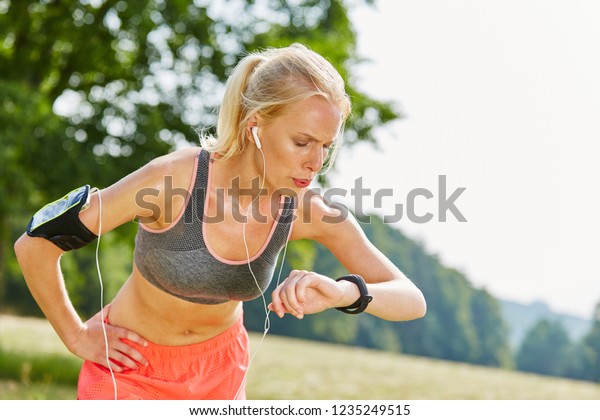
[175,330]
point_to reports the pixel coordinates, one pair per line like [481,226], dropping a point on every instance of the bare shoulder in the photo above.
[172,171]
[141,194]
[168,181]
[175,159]
[323,220]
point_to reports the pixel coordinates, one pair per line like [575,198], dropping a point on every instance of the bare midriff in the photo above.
[165,319]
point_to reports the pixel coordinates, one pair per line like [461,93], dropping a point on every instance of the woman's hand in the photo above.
[89,344]
[305,292]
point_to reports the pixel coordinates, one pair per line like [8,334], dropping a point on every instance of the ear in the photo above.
[252,121]
[254,131]
[251,128]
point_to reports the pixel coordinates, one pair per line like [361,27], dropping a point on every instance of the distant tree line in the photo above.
[548,350]
[462,323]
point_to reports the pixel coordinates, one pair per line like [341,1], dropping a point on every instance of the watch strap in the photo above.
[363,301]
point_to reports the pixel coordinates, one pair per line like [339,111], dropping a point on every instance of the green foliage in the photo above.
[47,368]
[591,349]
[301,254]
[545,349]
[580,360]
[92,90]
[491,331]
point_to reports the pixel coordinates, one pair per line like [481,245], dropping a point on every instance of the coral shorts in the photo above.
[211,370]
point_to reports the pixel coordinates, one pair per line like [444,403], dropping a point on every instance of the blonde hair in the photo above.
[265,83]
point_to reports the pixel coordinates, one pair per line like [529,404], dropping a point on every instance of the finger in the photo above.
[120,339]
[276,304]
[131,336]
[301,292]
[289,297]
[290,301]
[284,309]
[116,368]
[107,360]
[135,356]
[280,296]
[123,360]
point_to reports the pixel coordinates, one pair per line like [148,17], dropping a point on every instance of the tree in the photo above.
[580,362]
[545,349]
[491,330]
[93,89]
[591,348]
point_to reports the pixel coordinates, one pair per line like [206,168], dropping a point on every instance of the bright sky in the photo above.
[504,99]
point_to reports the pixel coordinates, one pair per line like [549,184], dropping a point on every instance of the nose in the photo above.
[316,159]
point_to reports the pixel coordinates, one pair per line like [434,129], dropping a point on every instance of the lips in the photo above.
[301,183]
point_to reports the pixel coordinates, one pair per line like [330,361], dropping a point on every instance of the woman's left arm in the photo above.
[395,297]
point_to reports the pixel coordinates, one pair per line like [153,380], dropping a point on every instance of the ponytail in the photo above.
[265,83]
[233,112]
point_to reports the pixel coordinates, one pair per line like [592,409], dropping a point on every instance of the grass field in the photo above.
[292,369]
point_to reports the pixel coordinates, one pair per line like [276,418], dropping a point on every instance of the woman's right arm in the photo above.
[39,260]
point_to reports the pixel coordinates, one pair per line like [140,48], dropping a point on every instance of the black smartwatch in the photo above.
[363,301]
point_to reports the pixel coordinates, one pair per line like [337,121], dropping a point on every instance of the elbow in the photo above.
[421,310]
[20,246]
[418,309]
[24,250]
[415,307]
[30,250]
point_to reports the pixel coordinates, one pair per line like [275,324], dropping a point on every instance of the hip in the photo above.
[213,369]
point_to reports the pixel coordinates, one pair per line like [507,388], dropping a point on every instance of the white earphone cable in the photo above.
[267,324]
[112,375]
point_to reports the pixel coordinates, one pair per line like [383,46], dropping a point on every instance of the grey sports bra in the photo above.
[178,261]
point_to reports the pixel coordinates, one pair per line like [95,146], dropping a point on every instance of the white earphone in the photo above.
[255,135]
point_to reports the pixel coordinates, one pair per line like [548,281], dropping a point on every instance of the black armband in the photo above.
[363,301]
[59,221]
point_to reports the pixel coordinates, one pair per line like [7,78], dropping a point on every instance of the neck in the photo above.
[242,179]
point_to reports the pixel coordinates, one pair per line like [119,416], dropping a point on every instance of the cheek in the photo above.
[286,153]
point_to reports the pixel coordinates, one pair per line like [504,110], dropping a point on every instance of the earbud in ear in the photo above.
[255,135]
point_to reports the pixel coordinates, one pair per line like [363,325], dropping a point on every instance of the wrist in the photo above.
[73,338]
[351,293]
[364,298]
[70,332]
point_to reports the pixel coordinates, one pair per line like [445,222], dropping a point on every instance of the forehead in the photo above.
[314,116]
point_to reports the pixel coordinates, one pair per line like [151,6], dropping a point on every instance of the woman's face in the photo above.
[296,144]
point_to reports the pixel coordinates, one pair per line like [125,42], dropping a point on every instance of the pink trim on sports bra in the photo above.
[204,216]
[187,199]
